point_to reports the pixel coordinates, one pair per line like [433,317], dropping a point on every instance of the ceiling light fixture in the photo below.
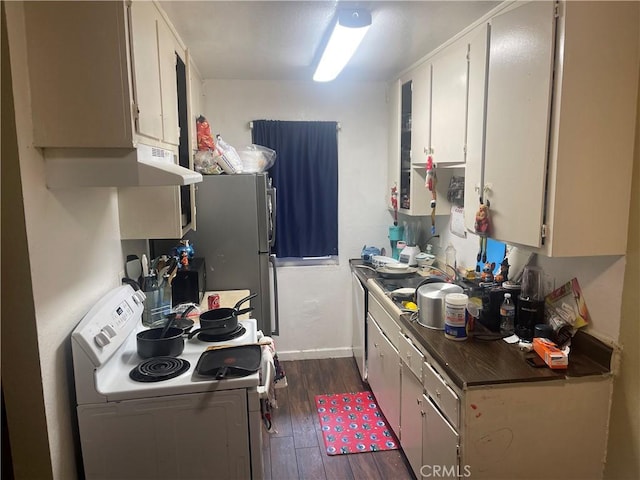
[348,31]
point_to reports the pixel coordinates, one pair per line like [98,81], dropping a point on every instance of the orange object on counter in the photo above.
[550,353]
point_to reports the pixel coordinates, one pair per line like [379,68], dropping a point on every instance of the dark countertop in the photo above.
[474,362]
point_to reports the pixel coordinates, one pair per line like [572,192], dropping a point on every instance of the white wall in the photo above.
[75,256]
[315,302]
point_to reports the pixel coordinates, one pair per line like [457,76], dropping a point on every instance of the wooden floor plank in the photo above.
[393,464]
[284,465]
[266,454]
[363,466]
[302,412]
[310,464]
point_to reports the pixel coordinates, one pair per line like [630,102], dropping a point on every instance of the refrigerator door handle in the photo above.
[275,331]
[271,192]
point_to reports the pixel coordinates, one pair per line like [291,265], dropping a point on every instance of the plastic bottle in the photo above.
[507,315]
[450,256]
[455,321]
[450,261]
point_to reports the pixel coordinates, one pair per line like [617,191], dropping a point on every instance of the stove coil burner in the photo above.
[157,369]
[208,337]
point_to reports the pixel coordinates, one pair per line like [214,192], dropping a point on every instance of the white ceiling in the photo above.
[278,40]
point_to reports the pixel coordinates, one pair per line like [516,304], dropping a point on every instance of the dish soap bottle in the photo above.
[507,315]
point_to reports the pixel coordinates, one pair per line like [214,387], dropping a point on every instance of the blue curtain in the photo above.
[305,175]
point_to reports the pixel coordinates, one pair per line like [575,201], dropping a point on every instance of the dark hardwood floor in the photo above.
[296,451]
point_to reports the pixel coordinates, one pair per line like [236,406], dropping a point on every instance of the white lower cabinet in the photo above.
[383,370]
[411,418]
[439,444]
[449,429]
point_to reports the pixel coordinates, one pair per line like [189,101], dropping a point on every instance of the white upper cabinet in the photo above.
[409,145]
[79,74]
[521,54]
[168,212]
[102,75]
[449,88]
[593,129]
[408,141]
[559,121]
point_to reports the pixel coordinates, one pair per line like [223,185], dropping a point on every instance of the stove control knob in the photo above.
[101,339]
[110,331]
[138,297]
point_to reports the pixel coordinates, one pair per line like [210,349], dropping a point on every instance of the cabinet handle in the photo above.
[375,345]
[422,413]
[419,401]
[408,356]
[381,354]
[438,393]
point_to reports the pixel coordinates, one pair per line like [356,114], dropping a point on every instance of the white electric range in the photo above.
[187,426]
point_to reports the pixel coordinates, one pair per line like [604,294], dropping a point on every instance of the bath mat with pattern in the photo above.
[353,423]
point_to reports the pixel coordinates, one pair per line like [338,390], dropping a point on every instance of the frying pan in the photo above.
[237,361]
[221,321]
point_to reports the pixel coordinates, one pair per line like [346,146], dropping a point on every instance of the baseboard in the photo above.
[315,354]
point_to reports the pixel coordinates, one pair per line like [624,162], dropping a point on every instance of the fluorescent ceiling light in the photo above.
[348,31]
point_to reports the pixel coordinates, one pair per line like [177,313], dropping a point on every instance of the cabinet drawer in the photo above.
[410,355]
[387,324]
[445,398]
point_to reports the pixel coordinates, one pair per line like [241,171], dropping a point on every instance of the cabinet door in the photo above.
[420,139]
[79,74]
[449,103]
[420,113]
[384,374]
[475,122]
[146,69]
[358,323]
[150,212]
[374,358]
[168,83]
[393,172]
[517,129]
[411,412]
[439,442]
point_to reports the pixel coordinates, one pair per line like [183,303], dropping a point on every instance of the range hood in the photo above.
[144,166]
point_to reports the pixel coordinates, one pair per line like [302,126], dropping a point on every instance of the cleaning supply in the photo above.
[455,320]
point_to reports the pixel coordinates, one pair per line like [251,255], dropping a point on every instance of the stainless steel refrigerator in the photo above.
[235,229]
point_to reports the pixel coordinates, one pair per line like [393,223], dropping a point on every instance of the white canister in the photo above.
[455,317]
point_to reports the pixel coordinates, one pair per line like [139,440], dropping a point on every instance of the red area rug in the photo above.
[352,423]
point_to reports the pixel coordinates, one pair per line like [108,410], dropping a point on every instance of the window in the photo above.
[305,175]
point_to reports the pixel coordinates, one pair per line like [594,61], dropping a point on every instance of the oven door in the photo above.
[159,437]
